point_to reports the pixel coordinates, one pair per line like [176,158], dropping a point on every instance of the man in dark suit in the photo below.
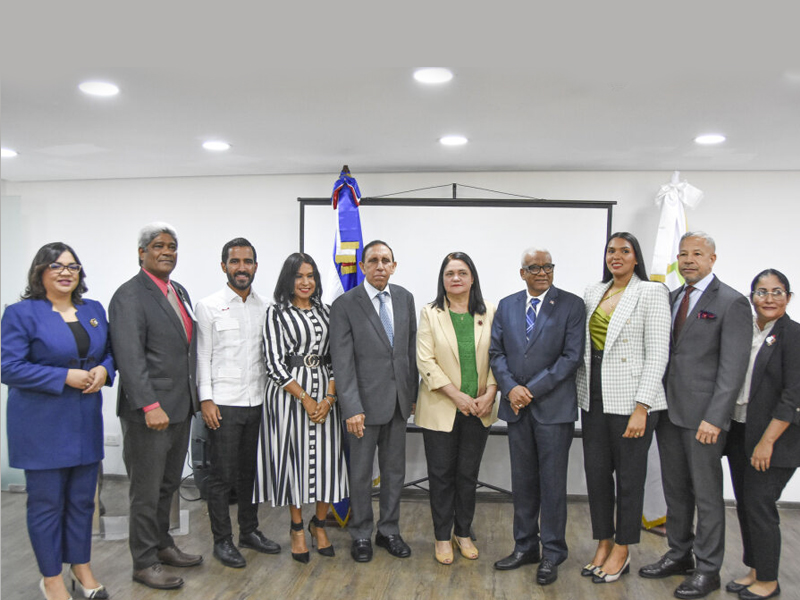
[711,337]
[152,337]
[537,345]
[373,346]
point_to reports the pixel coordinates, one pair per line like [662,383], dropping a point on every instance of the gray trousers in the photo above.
[692,477]
[390,441]
[154,461]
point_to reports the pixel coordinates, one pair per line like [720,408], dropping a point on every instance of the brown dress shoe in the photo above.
[156,577]
[175,557]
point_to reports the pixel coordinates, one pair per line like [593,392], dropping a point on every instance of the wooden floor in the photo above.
[419,576]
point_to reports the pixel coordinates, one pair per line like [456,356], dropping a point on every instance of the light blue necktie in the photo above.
[530,318]
[386,318]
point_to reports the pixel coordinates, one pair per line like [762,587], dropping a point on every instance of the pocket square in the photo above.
[706,315]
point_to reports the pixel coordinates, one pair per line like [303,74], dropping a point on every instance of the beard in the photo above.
[237,284]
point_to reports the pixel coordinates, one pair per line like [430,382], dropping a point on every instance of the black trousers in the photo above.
[756,494]
[454,460]
[233,450]
[154,461]
[606,453]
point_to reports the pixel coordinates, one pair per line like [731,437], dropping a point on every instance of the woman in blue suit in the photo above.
[55,359]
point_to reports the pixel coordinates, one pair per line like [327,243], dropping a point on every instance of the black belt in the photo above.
[307,360]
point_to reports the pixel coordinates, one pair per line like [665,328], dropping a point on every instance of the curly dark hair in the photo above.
[46,255]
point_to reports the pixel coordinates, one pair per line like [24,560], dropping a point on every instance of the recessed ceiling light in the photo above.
[98,88]
[453,140]
[216,145]
[7,153]
[433,75]
[710,139]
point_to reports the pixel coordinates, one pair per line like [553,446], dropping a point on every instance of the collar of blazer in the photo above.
[162,302]
[362,297]
[765,353]
[624,309]
[543,316]
[446,324]
[707,298]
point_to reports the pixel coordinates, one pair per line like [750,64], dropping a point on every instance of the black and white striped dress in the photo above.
[299,461]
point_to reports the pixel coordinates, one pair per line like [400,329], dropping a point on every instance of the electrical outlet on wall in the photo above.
[112,439]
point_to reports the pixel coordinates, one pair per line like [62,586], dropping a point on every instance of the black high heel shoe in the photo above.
[313,525]
[296,531]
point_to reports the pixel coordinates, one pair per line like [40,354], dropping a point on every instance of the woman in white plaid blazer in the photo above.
[620,393]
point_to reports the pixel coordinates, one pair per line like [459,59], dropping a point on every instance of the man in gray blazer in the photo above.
[152,336]
[711,337]
[373,347]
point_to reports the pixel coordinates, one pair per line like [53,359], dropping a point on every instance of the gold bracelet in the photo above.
[303,395]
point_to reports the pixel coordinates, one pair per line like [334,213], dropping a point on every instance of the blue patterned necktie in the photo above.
[530,318]
[386,318]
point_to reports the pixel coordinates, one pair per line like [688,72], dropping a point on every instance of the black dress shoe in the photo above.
[733,587]
[394,544]
[746,594]
[228,554]
[255,540]
[361,550]
[698,585]
[547,572]
[517,559]
[666,567]
[175,557]
[157,578]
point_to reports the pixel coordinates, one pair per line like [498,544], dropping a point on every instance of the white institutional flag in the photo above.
[672,198]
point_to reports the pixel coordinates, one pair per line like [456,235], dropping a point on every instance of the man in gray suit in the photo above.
[373,346]
[711,338]
[152,336]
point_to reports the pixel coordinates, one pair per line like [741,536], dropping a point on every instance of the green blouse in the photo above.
[464,324]
[598,328]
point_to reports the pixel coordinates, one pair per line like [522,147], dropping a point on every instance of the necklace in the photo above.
[612,305]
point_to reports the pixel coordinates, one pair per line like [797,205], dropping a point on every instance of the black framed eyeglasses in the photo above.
[57,267]
[535,269]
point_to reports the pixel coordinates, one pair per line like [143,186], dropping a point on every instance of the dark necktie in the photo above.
[683,311]
[530,318]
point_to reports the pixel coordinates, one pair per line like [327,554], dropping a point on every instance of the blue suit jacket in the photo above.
[52,425]
[546,364]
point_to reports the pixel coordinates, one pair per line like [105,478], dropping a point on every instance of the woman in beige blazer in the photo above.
[620,392]
[456,402]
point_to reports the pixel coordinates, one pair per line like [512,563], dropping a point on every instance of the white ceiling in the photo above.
[381,120]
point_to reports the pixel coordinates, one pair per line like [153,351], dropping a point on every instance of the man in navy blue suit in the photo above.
[537,344]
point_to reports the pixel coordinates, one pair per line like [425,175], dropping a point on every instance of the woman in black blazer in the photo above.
[763,444]
[55,358]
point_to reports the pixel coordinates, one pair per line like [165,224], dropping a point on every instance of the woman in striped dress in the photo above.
[300,452]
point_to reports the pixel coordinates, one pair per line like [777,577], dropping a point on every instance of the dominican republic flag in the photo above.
[344,274]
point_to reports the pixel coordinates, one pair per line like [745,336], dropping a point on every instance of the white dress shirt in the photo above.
[759,337]
[373,292]
[538,307]
[699,289]
[230,348]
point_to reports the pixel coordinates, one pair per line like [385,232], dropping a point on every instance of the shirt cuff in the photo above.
[153,406]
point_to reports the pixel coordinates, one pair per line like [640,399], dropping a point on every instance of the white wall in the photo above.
[752,215]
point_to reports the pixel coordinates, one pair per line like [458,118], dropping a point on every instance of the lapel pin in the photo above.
[552,301]
[480,322]
[770,340]
[93,322]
